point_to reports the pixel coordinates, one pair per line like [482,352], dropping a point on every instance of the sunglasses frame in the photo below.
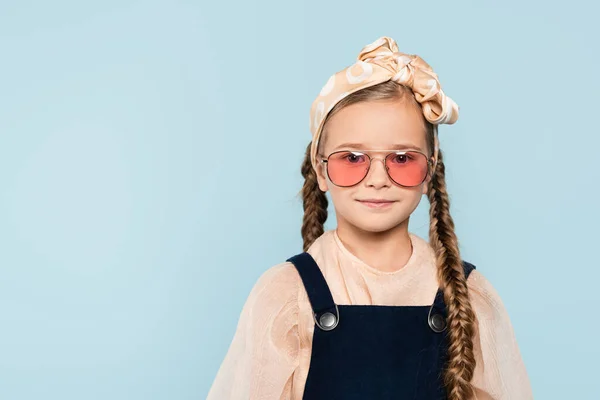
[430,163]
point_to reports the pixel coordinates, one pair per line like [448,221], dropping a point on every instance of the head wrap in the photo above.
[379,62]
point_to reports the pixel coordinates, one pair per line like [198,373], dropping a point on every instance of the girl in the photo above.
[369,310]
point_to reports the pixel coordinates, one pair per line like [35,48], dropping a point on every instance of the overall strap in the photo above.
[325,312]
[314,282]
[438,312]
[468,268]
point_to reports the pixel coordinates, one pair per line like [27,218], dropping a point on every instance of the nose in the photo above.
[377,176]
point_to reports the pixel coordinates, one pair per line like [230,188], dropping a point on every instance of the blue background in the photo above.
[149,171]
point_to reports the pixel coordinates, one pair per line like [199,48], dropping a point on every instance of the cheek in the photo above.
[413,196]
[342,198]
[337,193]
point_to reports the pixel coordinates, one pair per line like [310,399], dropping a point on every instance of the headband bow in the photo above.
[379,62]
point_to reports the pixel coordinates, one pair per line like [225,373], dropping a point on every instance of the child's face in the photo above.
[374,125]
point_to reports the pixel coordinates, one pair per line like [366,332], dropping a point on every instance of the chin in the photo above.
[375,223]
[374,220]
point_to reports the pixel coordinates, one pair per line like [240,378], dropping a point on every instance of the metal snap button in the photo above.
[437,322]
[328,321]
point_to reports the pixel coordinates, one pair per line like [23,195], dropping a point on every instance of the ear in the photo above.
[321,178]
[428,179]
[426,184]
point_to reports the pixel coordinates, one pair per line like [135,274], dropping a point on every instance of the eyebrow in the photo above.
[399,146]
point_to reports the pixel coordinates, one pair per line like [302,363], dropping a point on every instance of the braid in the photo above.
[314,201]
[461,318]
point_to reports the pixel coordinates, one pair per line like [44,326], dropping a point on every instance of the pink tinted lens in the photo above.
[347,168]
[407,169]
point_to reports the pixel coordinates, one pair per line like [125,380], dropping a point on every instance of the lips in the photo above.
[373,204]
[376,201]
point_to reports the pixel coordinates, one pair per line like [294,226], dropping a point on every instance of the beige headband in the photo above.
[379,62]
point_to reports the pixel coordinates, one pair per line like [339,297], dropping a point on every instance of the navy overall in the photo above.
[373,352]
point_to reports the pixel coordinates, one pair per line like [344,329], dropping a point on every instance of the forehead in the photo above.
[377,124]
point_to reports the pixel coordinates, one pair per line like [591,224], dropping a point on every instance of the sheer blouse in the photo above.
[269,356]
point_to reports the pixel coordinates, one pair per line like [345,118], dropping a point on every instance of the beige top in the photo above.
[269,356]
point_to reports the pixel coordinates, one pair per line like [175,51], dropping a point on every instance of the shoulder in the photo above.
[280,274]
[484,297]
[276,288]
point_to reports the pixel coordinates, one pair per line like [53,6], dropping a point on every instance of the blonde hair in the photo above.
[460,366]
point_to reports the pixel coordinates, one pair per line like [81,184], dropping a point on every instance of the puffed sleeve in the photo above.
[500,373]
[263,354]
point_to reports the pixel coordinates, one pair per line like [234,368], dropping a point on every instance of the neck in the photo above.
[386,251]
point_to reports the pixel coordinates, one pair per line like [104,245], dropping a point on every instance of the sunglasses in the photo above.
[347,168]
